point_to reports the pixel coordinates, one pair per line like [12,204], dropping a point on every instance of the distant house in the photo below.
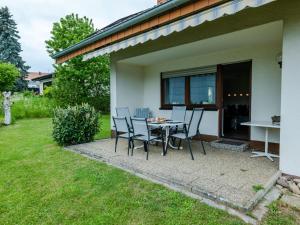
[38,81]
[237,59]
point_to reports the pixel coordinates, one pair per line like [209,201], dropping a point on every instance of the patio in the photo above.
[224,176]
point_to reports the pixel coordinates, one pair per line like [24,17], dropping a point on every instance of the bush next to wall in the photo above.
[75,125]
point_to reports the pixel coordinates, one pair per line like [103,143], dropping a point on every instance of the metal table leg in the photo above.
[266,153]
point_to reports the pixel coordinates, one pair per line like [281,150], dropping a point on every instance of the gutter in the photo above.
[138,19]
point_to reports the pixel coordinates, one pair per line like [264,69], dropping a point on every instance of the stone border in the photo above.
[207,198]
[260,194]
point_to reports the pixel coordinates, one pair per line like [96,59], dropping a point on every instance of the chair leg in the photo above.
[203,147]
[129,146]
[147,147]
[116,143]
[190,147]
[179,145]
[166,151]
[132,147]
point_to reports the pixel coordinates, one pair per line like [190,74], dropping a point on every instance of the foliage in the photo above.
[48,92]
[75,125]
[29,93]
[78,81]
[8,75]
[83,82]
[32,107]
[104,123]
[69,31]
[258,187]
[10,48]
[281,214]
[41,184]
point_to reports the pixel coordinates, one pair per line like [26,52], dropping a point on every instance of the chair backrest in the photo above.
[178,113]
[140,126]
[124,112]
[121,124]
[142,113]
[195,121]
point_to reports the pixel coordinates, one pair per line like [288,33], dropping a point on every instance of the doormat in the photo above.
[230,145]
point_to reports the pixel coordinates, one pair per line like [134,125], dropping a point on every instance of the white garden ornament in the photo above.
[6,106]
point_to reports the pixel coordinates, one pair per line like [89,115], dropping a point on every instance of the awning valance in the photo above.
[214,13]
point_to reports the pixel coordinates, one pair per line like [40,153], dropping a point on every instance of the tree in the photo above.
[78,81]
[69,31]
[8,75]
[10,48]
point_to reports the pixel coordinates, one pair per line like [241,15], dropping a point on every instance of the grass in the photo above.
[105,131]
[29,106]
[281,214]
[258,187]
[40,183]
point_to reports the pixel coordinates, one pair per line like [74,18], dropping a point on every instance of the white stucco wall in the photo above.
[127,84]
[266,84]
[290,96]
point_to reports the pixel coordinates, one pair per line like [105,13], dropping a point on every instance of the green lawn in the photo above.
[105,127]
[40,183]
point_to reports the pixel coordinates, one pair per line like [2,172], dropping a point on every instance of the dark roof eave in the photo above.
[127,23]
[43,77]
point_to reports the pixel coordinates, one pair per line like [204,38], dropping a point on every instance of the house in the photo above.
[38,81]
[238,59]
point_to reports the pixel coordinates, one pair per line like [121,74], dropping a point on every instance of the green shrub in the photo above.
[48,92]
[28,93]
[75,125]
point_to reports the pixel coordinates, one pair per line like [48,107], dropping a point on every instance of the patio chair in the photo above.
[123,131]
[191,131]
[178,114]
[124,112]
[142,113]
[142,133]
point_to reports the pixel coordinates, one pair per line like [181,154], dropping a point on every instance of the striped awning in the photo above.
[214,13]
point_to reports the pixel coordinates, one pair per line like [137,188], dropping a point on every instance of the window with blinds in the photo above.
[192,87]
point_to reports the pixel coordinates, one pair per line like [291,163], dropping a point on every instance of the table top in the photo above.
[265,124]
[166,124]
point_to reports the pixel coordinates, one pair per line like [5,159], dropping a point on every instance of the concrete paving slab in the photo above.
[225,176]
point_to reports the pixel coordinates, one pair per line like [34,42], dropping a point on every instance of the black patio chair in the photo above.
[189,132]
[142,132]
[124,112]
[122,129]
[178,115]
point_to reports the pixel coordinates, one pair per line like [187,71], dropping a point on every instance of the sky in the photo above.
[35,19]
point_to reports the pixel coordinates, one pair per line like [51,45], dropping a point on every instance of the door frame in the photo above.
[220,98]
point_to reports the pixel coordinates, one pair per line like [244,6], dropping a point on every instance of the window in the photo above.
[175,90]
[193,88]
[203,89]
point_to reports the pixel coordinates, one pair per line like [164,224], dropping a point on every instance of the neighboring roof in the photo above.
[124,23]
[35,75]
[43,77]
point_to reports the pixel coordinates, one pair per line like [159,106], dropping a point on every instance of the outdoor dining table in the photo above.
[166,126]
[266,125]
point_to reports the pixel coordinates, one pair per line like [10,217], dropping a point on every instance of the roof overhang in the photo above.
[45,77]
[126,24]
[228,8]
[210,11]
[151,18]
